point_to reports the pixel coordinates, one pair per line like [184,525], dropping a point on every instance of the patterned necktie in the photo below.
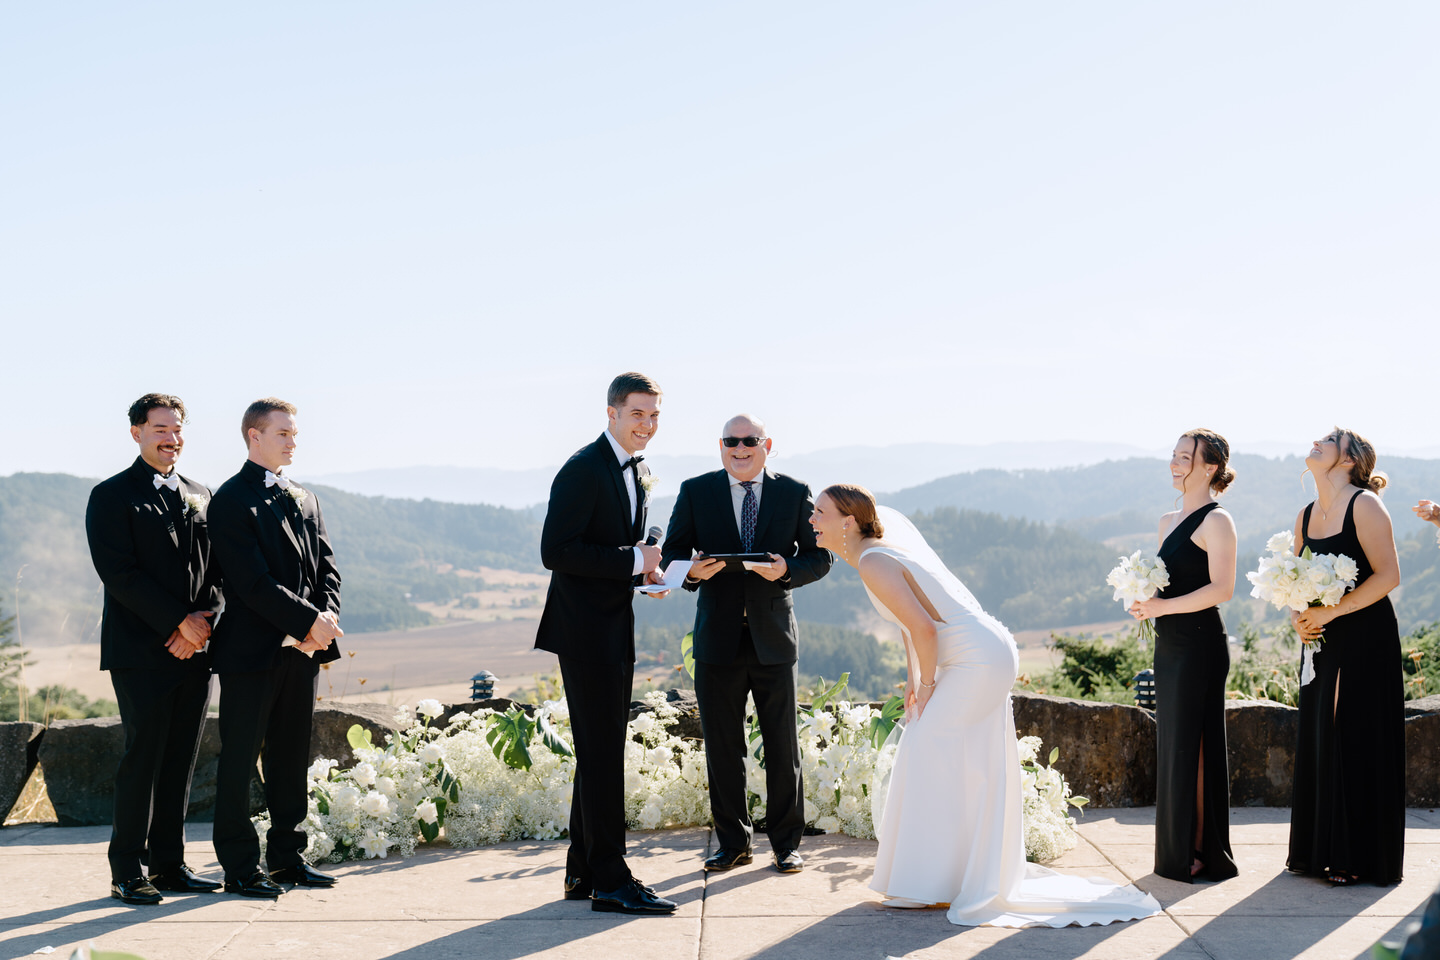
[747,516]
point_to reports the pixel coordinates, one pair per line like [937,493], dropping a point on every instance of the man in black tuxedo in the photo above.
[282,610]
[745,633]
[592,542]
[148,541]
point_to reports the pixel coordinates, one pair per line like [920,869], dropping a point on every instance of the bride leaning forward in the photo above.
[951,829]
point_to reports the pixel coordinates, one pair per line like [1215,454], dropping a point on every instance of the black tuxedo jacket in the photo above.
[587,544]
[155,567]
[279,571]
[704,520]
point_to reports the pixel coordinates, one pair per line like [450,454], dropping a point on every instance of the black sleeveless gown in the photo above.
[1348,811]
[1192,659]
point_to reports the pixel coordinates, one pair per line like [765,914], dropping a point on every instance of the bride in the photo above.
[951,829]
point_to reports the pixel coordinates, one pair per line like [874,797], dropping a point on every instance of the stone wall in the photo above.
[1107,751]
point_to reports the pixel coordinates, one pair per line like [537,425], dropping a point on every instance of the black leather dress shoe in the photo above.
[725,858]
[182,879]
[257,885]
[788,861]
[578,888]
[302,875]
[631,898]
[137,891]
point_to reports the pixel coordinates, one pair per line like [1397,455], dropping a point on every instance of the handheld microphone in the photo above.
[652,536]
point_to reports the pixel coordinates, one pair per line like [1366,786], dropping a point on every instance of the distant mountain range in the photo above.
[1033,543]
[879,468]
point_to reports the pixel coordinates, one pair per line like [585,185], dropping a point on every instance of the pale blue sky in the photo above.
[441,228]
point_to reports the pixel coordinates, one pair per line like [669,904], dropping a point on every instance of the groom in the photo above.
[592,541]
[745,633]
[282,608]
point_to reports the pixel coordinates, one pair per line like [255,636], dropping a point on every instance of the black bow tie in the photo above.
[632,462]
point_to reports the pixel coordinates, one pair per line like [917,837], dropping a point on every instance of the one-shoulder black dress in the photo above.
[1348,810]
[1192,659]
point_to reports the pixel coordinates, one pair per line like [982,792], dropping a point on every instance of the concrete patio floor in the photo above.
[502,902]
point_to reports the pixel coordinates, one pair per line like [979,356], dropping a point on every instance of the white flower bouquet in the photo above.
[1139,577]
[1299,582]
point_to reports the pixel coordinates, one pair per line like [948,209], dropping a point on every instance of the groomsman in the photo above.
[593,542]
[148,541]
[746,639]
[282,607]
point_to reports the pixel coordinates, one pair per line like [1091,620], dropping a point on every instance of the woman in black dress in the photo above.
[1348,814]
[1192,659]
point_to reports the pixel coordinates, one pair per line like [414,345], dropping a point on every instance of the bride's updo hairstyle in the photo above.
[1213,448]
[853,500]
[1357,448]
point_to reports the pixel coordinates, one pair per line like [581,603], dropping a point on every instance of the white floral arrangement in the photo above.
[1136,578]
[649,482]
[297,493]
[1299,582]
[192,503]
[487,777]
[1046,799]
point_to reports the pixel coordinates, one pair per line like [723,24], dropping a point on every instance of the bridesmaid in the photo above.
[1348,814]
[1192,659]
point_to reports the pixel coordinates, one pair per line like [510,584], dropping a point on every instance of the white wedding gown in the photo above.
[950,830]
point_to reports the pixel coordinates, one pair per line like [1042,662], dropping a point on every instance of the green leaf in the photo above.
[1054,752]
[825,696]
[894,708]
[79,954]
[687,653]
[509,737]
[322,800]
[1077,801]
[359,738]
[430,831]
[551,737]
[449,786]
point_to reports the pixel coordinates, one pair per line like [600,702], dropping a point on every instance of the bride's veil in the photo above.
[901,533]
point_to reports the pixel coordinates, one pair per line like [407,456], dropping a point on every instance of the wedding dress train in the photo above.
[950,830]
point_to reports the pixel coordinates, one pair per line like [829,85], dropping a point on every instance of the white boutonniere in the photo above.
[193,503]
[294,492]
[649,482]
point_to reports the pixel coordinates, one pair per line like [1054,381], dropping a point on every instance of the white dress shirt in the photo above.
[629,476]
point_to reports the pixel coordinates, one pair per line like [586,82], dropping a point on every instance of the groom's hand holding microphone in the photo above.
[651,553]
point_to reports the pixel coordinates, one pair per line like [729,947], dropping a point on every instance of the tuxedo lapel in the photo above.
[607,456]
[642,500]
[188,523]
[145,487]
[272,496]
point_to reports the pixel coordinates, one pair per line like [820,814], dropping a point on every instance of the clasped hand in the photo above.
[191,636]
[1427,510]
[1310,622]
[323,632]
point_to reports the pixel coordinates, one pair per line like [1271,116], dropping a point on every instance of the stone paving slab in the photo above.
[503,902]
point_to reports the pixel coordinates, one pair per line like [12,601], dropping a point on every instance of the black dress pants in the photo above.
[267,714]
[598,695]
[162,713]
[720,691]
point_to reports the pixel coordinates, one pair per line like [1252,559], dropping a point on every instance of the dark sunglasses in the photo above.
[736,441]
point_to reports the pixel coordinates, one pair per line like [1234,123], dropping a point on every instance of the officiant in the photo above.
[746,640]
